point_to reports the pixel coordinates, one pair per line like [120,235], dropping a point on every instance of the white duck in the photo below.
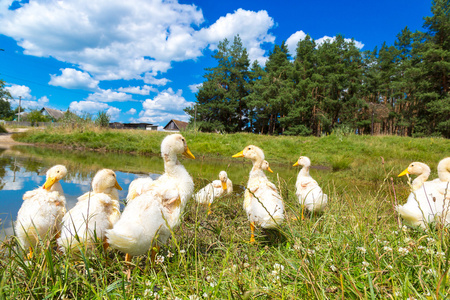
[214,190]
[425,200]
[94,213]
[309,193]
[42,210]
[138,187]
[262,202]
[443,189]
[153,215]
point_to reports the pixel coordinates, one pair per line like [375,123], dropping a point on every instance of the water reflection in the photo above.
[23,168]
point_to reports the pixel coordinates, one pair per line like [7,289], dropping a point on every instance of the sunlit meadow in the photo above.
[358,248]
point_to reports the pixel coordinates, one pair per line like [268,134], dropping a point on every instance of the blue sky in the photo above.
[142,60]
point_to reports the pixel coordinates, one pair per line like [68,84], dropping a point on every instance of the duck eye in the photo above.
[57,171]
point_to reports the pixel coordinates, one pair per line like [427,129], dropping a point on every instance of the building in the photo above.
[144,126]
[54,114]
[176,125]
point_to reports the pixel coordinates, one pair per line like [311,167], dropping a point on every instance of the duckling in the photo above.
[138,187]
[262,202]
[443,190]
[152,216]
[424,201]
[309,193]
[42,210]
[94,213]
[215,189]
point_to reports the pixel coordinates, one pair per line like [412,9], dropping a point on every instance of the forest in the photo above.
[400,89]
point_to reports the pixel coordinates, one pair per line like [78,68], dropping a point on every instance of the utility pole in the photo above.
[20,102]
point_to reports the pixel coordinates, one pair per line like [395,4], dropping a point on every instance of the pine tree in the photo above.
[221,99]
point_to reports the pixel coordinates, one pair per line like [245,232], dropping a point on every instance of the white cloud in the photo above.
[110,39]
[30,104]
[150,79]
[251,26]
[293,40]
[165,106]
[195,87]
[109,96]
[138,90]
[27,101]
[115,39]
[17,91]
[92,107]
[132,111]
[74,79]
[113,112]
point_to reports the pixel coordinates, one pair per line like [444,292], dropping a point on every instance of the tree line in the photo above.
[401,89]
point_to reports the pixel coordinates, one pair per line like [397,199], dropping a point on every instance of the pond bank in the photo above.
[6,140]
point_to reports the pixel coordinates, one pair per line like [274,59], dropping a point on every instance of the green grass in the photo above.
[356,249]
[2,129]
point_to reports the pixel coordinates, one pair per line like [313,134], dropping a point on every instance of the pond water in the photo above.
[23,168]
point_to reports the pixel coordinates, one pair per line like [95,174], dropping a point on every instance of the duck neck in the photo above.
[56,187]
[256,164]
[112,192]
[171,164]
[304,171]
[417,183]
[443,169]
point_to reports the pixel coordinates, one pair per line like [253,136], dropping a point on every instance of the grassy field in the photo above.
[356,249]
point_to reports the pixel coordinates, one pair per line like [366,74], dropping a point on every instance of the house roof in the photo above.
[54,113]
[179,124]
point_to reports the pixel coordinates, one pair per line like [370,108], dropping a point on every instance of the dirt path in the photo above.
[6,141]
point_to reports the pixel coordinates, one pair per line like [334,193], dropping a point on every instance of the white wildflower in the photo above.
[297,246]
[278,267]
[194,297]
[159,259]
[429,251]
[389,267]
[150,293]
[182,251]
[430,272]
[306,261]
[395,232]
[362,250]
[403,251]
[169,254]
[407,240]
[212,284]
[234,268]
[387,249]
[404,228]
[441,254]
[431,240]
[310,251]
[246,265]
[421,247]
[365,264]
[333,268]
[385,242]
[205,295]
